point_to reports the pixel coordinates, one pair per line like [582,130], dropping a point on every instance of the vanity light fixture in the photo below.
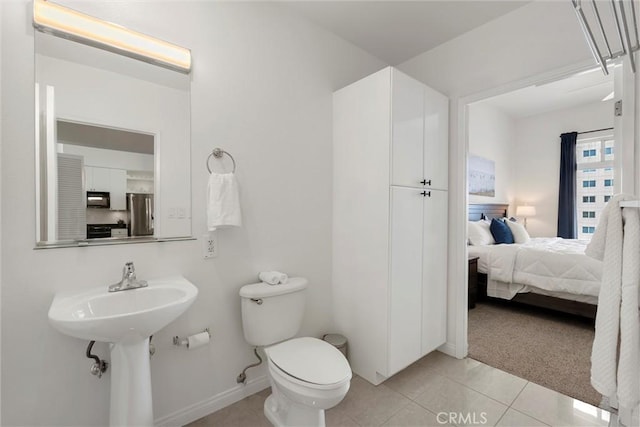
[58,20]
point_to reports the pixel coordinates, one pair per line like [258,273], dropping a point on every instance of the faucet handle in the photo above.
[128,269]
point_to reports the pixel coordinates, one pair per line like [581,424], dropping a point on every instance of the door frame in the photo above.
[459,201]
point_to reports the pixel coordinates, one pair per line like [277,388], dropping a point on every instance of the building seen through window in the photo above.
[594,181]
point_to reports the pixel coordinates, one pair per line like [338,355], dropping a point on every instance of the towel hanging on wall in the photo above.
[223,201]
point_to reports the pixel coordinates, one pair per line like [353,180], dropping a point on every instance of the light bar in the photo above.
[67,23]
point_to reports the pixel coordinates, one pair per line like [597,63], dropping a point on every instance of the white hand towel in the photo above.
[629,352]
[223,201]
[273,277]
[606,245]
[615,365]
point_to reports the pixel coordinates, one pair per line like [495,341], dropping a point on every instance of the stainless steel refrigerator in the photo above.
[140,209]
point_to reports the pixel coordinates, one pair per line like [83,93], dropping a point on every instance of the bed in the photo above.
[552,273]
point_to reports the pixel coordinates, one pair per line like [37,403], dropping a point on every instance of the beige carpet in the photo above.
[546,348]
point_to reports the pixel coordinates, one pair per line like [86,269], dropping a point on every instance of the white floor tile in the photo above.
[513,418]
[557,409]
[414,415]
[492,382]
[438,390]
[467,406]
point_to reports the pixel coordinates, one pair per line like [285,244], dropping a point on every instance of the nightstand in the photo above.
[473,281]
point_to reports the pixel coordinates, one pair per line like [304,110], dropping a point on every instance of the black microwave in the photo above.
[98,199]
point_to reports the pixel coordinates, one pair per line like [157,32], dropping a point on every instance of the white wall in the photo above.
[492,135]
[536,159]
[262,88]
[541,37]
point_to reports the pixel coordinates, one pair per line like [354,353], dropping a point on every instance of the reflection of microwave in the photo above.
[98,199]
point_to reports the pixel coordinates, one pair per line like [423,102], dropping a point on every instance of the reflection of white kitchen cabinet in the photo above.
[118,189]
[97,179]
[110,180]
[140,181]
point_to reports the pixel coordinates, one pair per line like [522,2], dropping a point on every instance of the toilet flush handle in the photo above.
[257,300]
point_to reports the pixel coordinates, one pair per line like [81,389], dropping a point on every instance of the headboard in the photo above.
[487,211]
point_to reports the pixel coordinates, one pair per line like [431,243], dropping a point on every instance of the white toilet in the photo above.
[307,375]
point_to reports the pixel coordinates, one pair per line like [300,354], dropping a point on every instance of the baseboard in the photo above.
[449,349]
[213,404]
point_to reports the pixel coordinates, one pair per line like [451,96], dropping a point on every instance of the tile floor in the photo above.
[472,392]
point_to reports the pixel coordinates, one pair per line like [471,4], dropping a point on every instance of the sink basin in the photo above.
[130,315]
[126,319]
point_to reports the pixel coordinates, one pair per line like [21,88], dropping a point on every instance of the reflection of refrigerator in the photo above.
[140,209]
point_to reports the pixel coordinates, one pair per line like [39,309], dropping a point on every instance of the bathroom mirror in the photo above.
[112,147]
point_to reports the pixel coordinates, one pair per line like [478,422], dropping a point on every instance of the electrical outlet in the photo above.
[210,245]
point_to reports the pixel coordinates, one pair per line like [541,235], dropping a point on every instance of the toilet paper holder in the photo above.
[184,342]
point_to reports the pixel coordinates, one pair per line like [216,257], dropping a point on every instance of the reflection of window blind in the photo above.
[72,215]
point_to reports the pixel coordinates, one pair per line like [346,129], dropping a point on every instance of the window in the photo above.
[594,180]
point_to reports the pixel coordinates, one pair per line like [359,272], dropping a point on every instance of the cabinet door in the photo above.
[405,293]
[436,139]
[407,114]
[101,179]
[434,274]
[118,189]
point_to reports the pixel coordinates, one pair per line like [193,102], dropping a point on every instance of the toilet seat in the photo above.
[312,361]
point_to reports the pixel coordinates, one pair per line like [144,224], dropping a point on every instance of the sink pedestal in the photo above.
[131,403]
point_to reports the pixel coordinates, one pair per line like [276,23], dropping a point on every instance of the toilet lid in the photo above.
[310,360]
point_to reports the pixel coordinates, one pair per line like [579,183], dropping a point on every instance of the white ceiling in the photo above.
[583,88]
[396,31]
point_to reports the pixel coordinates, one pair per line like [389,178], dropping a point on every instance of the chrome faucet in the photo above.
[129,280]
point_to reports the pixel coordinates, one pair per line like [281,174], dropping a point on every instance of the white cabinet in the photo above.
[113,181]
[420,128]
[390,221]
[118,189]
[97,179]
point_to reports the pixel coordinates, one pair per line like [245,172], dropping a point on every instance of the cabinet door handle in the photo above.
[425,182]
[426,194]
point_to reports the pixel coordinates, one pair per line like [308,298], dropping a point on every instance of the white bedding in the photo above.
[549,264]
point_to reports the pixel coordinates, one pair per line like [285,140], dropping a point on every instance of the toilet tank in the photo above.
[272,313]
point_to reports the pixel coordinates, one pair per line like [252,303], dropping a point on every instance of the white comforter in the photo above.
[552,264]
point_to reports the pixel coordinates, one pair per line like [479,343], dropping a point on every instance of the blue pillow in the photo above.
[501,231]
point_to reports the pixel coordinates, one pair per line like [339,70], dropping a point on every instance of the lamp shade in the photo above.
[525,211]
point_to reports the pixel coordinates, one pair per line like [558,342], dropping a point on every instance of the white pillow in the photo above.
[479,233]
[520,234]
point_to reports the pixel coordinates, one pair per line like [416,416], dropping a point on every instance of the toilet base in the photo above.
[285,413]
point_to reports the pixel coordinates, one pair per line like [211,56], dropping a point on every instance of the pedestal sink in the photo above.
[125,319]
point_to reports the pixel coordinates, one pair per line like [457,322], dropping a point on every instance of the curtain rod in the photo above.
[596,130]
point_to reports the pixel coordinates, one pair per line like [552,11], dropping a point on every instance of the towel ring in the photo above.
[217,153]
